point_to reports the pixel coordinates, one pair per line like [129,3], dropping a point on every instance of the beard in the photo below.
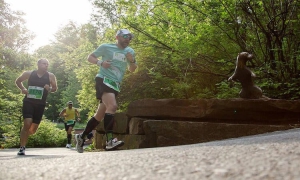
[124,44]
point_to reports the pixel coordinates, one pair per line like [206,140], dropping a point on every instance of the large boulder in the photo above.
[131,141]
[168,122]
[236,111]
[120,124]
[160,133]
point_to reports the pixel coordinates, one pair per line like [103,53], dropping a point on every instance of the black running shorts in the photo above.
[101,88]
[70,125]
[33,111]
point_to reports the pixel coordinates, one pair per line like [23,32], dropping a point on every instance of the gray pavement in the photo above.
[268,156]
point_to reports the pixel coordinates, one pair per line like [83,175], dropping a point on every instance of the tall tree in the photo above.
[202,39]
[14,40]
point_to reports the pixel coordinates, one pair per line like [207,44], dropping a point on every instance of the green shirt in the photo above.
[119,62]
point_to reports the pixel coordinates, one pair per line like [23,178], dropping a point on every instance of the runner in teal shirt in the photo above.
[114,60]
[117,58]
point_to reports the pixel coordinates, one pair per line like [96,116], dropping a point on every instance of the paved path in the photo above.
[268,156]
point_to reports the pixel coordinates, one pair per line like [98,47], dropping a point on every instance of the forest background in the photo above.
[185,49]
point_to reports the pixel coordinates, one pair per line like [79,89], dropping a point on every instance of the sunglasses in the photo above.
[127,36]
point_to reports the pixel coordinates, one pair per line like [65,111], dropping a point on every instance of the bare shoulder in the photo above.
[62,111]
[26,74]
[51,74]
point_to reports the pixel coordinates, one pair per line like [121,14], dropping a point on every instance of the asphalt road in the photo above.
[269,156]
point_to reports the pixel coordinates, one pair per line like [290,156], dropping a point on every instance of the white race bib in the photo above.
[35,92]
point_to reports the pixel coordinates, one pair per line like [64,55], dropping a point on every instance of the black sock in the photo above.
[69,137]
[108,125]
[90,127]
[90,135]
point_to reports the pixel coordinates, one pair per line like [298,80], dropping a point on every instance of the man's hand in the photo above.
[106,64]
[130,57]
[47,87]
[24,91]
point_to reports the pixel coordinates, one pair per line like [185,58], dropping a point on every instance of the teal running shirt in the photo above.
[118,59]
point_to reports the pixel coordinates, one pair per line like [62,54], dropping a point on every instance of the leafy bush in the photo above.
[11,138]
[228,90]
[47,135]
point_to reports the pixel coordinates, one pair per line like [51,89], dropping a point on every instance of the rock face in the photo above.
[168,122]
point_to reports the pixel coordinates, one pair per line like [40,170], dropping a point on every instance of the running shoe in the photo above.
[113,144]
[21,151]
[68,146]
[79,143]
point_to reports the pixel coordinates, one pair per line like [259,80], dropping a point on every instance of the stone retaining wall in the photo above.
[148,125]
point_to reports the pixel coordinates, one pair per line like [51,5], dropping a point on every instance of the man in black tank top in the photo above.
[40,83]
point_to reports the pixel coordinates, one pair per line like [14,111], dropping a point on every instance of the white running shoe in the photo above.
[79,143]
[21,151]
[68,146]
[113,144]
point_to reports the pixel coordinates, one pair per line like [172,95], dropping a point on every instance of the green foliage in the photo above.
[14,41]
[281,90]
[228,90]
[86,96]
[70,92]
[10,129]
[15,37]
[47,135]
[10,106]
[215,30]
[91,147]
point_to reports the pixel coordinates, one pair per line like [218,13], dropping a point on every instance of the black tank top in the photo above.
[35,80]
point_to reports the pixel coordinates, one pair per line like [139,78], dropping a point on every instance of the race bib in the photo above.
[112,84]
[119,57]
[35,92]
[70,122]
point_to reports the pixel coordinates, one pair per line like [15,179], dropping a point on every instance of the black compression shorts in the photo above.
[101,88]
[33,111]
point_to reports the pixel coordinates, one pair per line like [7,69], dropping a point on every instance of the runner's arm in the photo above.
[132,62]
[132,67]
[92,59]
[19,81]
[78,114]
[53,87]
[62,113]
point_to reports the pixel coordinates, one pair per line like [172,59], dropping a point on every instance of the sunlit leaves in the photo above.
[13,33]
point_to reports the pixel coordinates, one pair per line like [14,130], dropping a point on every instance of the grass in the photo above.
[77,125]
